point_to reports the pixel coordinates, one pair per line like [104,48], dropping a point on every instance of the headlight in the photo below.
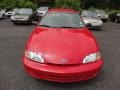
[86,21]
[100,22]
[92,58]
[34,56]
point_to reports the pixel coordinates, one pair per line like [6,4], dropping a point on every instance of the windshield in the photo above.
[25,11]
[89,14]
[62,20]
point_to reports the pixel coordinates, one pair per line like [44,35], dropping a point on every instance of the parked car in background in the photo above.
[12,12]
[115,17]
[22,16]
[102,15]
[91,19]
[2,13]
[35,17]
[62,49]
[42,10]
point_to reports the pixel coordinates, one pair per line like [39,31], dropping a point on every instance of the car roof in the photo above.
[63,10]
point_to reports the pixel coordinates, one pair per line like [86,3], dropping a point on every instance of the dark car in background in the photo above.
[24,15]
[115,17]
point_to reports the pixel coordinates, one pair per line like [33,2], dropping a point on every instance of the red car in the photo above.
[62,49]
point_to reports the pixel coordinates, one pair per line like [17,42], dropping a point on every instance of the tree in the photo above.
[101,4]
[73,4]
[27,4]
[8,4]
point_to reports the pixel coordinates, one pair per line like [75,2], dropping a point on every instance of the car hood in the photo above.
[62,46]
[91,19]
[21,16]
[41,11]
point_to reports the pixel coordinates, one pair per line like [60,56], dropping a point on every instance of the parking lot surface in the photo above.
[13,76]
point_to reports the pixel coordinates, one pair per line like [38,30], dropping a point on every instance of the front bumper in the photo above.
[62,73]
[21,21]
[104,19]
[96,27]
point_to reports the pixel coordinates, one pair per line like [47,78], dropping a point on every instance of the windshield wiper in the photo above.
[58,27]
[45,25]
[67,27]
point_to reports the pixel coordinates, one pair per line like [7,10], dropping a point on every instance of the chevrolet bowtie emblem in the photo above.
[64,61]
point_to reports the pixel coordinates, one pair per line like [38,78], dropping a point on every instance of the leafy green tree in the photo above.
[7,4]
[73,4]
[27,4]
[101,4]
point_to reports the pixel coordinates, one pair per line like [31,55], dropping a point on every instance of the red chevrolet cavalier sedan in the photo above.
[62,49]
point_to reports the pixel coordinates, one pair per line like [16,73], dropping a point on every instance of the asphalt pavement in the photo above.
[13,76]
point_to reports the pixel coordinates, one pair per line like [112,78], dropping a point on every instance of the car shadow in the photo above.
[23,24]
[96,29]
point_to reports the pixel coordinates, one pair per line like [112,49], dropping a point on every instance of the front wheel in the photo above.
[105,20]
[15,23]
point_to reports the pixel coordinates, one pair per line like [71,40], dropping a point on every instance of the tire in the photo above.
[15,23]
[105,20]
